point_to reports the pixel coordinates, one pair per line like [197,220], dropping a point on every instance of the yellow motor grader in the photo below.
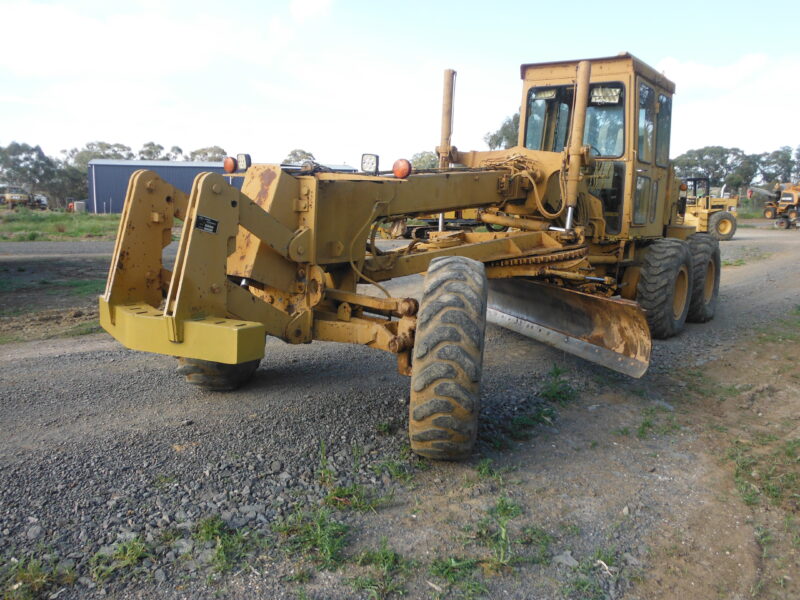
[708,213]
[593,259]
[785,205]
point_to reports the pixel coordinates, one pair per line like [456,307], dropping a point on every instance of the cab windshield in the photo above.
[549,111]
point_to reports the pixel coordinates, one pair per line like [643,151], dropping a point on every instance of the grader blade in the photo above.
[612,333]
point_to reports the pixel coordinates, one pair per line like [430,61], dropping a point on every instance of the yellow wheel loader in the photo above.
[592,257]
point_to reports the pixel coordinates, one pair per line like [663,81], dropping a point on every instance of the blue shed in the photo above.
[108,179]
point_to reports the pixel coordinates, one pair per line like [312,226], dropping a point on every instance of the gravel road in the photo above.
[102,445]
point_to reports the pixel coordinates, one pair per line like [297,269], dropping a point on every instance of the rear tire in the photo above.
[769,213]
[705,277]
[782,223]
[792,214]
[722,225]
[448,359]
[214,376]
[664,290]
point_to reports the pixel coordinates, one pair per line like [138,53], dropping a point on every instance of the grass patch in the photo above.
[656,423]
[387,571]
[124,559]
[31,579]
[354,497]
[520,426]
[736,262]
[459,574]
[86,328]
[82,287]
[315,536]
[584,587]
[24,225]
[396,469]
[65,287]
[768,471]
[538,540]
[231,546]
[385,428]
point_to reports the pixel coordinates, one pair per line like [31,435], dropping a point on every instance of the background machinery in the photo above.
[784,206]
[707,213]
[593,257]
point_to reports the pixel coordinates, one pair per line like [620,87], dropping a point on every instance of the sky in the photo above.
[339,78]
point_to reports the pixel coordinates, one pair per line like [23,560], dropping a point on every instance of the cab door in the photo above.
[651,162]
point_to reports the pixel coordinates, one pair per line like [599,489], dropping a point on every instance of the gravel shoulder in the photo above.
[586,484]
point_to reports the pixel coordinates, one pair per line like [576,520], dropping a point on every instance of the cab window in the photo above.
[647,113]
[549,115]
[641,201]
[663,126]
[607,182]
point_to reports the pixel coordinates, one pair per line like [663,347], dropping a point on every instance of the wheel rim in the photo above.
[724,227]
[708,287]
[782,224]
[681,295]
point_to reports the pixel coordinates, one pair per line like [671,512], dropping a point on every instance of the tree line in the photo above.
[65,176]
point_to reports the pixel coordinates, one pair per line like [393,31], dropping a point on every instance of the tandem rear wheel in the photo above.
[665,286]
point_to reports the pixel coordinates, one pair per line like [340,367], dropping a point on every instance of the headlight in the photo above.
[243,161]
[369,164]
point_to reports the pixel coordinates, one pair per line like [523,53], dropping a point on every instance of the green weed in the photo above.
[539,542]
[459,575]
[86,328]
[31,579]
[387,570]
[520,425]
[556,388]
[771,472]
[385,428]
[737,262]
[396,469]
[54,226]
[315,535]
[124,558]
[231,546]
[353,497]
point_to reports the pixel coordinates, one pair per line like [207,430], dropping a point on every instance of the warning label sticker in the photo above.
[206,224]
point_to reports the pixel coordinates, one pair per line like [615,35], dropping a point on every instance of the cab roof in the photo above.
[639,66]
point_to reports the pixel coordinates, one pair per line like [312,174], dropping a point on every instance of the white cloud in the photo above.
[302,10]
[749,103]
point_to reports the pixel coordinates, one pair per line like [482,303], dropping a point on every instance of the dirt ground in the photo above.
[683,484]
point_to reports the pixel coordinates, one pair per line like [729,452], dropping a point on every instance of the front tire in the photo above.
[448,359]
[722,225]
[215,376]
[782,223]
[769,213]
[705,277]
[665,286]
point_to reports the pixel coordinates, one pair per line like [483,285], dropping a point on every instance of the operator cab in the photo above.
[699,187]
[627,130]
